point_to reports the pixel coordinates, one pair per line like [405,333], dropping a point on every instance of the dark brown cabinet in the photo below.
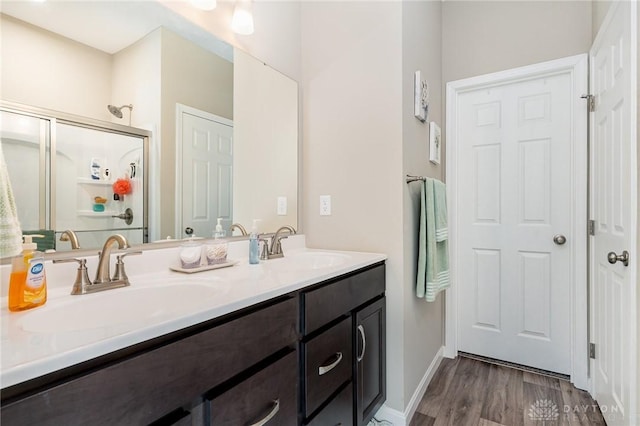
[267,397]
[339,412]
[351,307]
[327,364]
[370,367]
[142,385]
[312,357]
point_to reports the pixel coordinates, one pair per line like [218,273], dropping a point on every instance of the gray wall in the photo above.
[481,37]
[421,50]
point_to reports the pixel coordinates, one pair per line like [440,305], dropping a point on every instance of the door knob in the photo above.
[624,258]
[559,239]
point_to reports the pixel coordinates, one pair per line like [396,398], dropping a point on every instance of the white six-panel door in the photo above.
[206,184]
[613,207]
[515,191]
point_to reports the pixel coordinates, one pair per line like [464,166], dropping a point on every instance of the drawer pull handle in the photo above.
[364,342]
[272,413]
[324,369]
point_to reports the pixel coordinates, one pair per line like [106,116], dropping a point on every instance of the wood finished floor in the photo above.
[468,392]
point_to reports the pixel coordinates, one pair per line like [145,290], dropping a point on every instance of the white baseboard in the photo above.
[395,417]
[398,418]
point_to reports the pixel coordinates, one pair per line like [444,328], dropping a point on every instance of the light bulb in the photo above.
[242,21]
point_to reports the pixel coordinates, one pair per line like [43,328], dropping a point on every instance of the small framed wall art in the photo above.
[435,142]
[421,97]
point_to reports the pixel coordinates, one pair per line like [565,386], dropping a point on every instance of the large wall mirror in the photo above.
[222,125]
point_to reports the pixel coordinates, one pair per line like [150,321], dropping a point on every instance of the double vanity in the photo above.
[298,340]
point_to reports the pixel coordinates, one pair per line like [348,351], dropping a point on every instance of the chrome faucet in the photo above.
[70,236]
[102,274]
[275,250]
[240,228]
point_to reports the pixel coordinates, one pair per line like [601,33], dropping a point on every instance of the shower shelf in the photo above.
[91,213]
[89,181]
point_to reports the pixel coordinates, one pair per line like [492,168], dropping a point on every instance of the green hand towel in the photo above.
[433,257]
[440,190]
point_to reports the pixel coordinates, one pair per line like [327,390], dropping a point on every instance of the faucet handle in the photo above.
[128,253]
[264,255]
[120,274]
[82,281]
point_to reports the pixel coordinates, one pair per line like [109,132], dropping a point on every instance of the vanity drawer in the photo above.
[269,395]
[339,412]
[327,303]
[327,364]
[145,386]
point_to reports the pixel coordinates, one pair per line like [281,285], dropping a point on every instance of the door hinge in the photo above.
[592,350]
[591,227]
[591,102]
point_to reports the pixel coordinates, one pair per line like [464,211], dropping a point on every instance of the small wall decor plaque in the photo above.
[421,97]
[435,142]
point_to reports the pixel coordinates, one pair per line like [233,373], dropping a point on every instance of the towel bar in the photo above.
[415,178]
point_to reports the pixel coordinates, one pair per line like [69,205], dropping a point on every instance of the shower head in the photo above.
[117,111]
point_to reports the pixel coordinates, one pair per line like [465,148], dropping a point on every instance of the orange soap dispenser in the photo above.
[28,284]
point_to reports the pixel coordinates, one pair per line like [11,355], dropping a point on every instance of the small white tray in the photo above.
[203,267]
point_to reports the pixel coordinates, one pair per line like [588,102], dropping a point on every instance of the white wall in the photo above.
[265,154]
[53,72]
[480,37]
[352,144]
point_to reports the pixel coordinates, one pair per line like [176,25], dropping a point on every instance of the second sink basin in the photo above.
[120,306]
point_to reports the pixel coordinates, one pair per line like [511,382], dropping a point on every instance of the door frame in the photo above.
[180,111]
[577,67]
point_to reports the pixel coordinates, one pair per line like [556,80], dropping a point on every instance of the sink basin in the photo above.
[119,306]
[305,261]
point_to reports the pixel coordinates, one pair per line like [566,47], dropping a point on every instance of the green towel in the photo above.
[442,231]
[46,243]
[433,256]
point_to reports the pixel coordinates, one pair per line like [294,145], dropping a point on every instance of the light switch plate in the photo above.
[325,205]
[282,206]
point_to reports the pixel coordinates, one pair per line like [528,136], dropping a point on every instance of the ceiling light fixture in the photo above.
[204,4]
[242,21]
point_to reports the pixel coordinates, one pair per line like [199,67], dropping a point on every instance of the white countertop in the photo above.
[31,347]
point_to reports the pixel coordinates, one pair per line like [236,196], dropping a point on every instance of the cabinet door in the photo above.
[370,371]
[269,397]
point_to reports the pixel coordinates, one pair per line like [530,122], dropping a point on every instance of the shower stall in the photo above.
[71,172]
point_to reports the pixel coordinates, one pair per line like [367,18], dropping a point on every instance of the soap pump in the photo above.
[254,250]
[219,232]
[27,284]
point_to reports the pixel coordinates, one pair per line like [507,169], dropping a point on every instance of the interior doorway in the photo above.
[517,190]
[204,163]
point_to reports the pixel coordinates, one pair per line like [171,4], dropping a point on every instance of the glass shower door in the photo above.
[88,162]
[26,144]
